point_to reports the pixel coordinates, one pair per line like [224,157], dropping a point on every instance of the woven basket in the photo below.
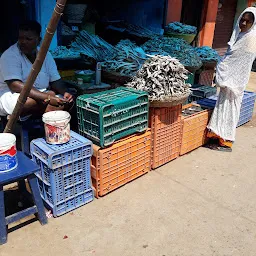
[170,102]
[189,38]
[193,69]
[75,11]
[209,64]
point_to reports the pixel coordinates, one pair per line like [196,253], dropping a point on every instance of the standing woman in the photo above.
[232,76]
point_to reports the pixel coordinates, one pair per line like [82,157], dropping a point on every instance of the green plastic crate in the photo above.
[191,78]
[107,116]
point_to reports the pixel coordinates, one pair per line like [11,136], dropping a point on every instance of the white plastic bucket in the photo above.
[57,127]
[8,152]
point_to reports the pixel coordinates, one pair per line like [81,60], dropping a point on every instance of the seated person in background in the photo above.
[15,65]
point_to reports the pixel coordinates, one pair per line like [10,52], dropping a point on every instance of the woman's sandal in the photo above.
[224,149]
[219,148]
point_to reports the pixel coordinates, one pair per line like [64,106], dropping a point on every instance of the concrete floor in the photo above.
[200,204]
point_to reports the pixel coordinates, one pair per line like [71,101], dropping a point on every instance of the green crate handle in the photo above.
[114,114]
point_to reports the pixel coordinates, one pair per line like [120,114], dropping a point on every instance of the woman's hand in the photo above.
[68,97]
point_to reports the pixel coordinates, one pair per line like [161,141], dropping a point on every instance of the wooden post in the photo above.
[210,11]
[250,2]
[174,8]
[37,65]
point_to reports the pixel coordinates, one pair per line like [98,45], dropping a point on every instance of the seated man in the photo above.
[15,65]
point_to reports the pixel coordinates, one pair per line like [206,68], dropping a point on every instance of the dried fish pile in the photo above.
[163,77]
[128,60]
[192,110]
[127,49]
[207,54]
[62,52]
[179,28]
[93,47]
[139,31]
[175,47]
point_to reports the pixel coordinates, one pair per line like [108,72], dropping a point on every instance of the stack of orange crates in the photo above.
[194,129]
[117,123]
[165,124]
[121,163]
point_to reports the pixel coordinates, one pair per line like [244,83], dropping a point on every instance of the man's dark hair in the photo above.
[31,25]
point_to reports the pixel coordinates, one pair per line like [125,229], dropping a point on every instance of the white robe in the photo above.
[232,76]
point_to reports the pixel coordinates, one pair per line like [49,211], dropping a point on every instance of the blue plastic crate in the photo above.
[64,178]
[208,103]
[203,91]
[245,118]
[247,106]
[108,116]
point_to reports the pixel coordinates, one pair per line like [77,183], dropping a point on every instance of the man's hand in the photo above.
[68,97]
[56,101]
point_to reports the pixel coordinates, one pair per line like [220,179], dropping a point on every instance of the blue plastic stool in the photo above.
[26,124]
[26,170]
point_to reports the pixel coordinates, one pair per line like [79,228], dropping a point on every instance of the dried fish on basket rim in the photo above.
[164,78]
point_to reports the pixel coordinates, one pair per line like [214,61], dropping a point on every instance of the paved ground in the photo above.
[200,204]
[252,84]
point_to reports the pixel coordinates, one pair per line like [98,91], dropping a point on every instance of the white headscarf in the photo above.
[233,71]
[237,29]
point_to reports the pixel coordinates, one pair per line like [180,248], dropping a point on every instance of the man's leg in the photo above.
[31,107]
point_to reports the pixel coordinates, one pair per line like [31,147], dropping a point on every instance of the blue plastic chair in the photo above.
[26,170]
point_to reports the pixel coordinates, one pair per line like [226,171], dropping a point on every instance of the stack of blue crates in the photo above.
[247,106]
[64,178]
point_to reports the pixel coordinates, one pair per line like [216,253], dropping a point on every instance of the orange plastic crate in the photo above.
[194,130]
[121,163]
[165,124]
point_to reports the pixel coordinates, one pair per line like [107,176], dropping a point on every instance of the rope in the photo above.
[51,33]
[60,6]
[59,13]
